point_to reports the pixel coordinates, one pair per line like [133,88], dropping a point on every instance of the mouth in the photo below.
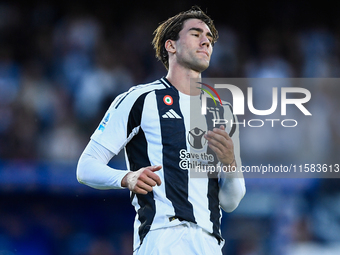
[203,52]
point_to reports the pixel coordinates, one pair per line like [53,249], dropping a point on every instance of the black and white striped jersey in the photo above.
[156,126]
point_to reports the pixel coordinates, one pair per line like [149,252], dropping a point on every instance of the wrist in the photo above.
[124,182]
[233,163]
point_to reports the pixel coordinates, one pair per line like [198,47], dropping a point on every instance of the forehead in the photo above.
[197,23]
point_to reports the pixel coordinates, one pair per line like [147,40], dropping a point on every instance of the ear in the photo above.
[170,46]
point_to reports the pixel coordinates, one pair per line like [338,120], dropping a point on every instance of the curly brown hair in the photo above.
[170,29]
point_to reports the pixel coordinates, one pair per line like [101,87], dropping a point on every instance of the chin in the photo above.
[197,65]
[201,68]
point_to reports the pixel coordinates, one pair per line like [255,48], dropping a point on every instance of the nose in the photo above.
[205,41]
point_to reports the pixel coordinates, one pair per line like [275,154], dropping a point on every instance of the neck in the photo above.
[183,80]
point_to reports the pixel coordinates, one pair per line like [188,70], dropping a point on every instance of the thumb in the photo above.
[155,168]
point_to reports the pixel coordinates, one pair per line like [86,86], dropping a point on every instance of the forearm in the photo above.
[232,190]
[92,169]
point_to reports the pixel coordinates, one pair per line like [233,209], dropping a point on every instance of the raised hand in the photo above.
[221,143]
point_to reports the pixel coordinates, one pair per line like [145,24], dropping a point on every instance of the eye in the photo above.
[197,35]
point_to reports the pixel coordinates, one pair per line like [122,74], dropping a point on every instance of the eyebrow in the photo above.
[200,30]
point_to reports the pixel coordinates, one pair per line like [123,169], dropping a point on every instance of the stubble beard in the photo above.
[194,63]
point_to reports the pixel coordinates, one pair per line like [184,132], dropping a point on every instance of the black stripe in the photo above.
[173,140]
[146,213]
[214,206]
[209,117]
[213,187]
[136,151]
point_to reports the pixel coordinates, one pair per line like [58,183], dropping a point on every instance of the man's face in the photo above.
[193,48]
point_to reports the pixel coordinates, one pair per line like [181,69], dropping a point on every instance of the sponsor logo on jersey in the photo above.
[104,122]
[171,114]
[196,138]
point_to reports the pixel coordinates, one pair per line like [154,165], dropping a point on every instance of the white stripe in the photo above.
[170,115]
[166,82]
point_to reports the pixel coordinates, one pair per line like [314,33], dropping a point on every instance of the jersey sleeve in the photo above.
[232,185]
[117,127]
[112,132]
[92,168]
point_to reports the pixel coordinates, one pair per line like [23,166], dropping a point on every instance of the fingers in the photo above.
[154,176]
[154,168]
[221,143]
[143,180]
[219,138]
[221,131]
[149,177]
[142,187]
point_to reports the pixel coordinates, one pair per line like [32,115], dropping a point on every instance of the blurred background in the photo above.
[61,65]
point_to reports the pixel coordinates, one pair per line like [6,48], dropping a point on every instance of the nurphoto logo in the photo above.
[295,96]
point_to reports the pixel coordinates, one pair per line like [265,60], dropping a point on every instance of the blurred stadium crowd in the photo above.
[61,65]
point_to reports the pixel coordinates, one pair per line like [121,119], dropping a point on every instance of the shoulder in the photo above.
[129,97]
[142,88]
